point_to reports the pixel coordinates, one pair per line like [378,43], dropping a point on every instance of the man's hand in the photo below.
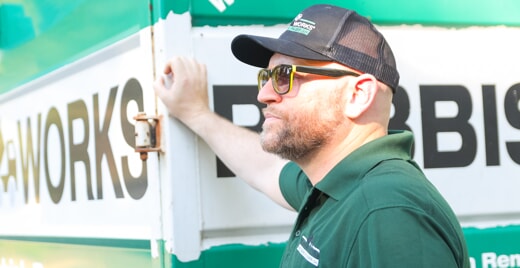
[187,94]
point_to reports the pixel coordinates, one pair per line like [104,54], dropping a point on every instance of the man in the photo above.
[328,87]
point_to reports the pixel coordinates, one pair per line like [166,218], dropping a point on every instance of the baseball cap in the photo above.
[325,33]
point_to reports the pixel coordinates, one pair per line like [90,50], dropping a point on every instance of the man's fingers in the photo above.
[168,67]
[159,87]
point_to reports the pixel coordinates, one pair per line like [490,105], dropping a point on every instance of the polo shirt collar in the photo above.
[344,177]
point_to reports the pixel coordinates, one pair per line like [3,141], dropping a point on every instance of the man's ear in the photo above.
[361,95]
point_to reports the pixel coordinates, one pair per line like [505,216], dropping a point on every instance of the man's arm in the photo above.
[238,147]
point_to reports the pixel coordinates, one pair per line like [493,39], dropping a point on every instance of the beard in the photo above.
[303,132]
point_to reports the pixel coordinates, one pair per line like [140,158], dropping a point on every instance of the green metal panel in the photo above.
[40,36]
[15,26]
[236,255]
[501,242]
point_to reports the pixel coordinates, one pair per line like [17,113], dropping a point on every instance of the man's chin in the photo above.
[269,142]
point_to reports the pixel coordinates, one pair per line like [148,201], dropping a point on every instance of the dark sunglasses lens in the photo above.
[263,77]
[282,78]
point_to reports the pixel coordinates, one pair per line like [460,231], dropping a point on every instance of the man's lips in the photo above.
[270,116]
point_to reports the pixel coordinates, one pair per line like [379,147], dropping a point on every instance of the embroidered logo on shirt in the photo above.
[308,251]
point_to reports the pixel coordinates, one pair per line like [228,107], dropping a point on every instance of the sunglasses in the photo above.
[282,75]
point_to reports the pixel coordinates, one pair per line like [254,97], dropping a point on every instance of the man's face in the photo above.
[300,122]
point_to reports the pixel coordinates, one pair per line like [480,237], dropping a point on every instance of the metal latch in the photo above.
[147,134]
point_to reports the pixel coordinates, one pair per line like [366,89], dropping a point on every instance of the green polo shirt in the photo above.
[375,208]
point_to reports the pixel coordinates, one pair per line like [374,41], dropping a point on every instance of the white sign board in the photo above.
[67,161]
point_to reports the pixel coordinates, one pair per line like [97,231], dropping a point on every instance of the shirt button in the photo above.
[297,233]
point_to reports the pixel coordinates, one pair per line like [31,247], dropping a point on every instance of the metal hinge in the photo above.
[147,134]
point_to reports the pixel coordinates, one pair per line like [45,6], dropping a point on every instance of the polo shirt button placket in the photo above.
[297,233]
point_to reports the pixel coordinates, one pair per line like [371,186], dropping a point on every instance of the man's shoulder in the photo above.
[395,183]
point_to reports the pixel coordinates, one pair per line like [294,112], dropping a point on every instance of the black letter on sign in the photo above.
[489,102]
[53,118]
[513,117]
[30,157]
[79,149]
[401,103]
[103,146]
[136,186]
[4,178]
[11,162]
[224,98]
[432,125]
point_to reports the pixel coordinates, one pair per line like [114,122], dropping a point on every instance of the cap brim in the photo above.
[257,50]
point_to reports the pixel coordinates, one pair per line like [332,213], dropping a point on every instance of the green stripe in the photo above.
[395,12]
[500,239]
[100,253]
[74,255]
[105,242]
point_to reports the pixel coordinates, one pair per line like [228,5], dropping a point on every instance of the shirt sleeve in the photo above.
[402,237]
[294,185]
